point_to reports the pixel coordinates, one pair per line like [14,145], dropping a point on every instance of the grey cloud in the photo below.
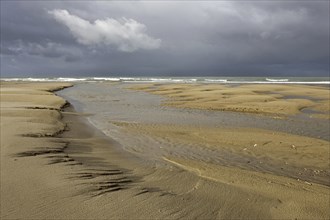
[208,38]
[29,21]
[127,34]
[8,51]
[47,50]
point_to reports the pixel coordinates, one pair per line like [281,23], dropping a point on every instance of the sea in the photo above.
[220,80]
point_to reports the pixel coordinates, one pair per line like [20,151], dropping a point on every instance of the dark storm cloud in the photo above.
[28,21]
[165,38]
[47,50]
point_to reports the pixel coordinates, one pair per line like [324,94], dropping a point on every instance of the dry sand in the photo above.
[48,172]
[274,100]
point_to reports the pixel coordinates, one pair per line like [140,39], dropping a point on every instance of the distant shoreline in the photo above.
[206,80]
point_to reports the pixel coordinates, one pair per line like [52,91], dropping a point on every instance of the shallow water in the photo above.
[108,103]
[112,102]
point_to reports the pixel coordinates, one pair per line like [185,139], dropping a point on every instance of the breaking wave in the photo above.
[219,80]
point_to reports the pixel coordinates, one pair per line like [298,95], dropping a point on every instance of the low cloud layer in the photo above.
[127,35]
[48,49]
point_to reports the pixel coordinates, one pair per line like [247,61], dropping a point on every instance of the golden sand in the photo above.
[258,143]
[284,197]
[271,100]
[48,173]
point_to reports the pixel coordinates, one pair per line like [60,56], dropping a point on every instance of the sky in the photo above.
[164,38]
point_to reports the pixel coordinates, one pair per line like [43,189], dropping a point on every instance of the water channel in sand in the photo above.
[109,103]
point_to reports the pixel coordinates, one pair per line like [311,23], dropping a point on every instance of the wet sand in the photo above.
[54,165]
[273,100]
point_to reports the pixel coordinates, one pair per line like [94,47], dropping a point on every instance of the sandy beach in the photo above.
[159,151]
[274,100]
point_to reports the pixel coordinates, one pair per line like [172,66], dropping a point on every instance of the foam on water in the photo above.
[277,80]
[219,80]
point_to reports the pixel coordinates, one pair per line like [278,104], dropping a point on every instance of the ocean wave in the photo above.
[217,80]
[282,82]
[70,79]
[60,79]
[277,80]
[230,80]
[105,79]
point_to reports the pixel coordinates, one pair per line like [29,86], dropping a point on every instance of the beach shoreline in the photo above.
[99,175]
[273,100]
